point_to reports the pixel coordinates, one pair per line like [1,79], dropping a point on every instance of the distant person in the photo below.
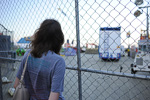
[44,76]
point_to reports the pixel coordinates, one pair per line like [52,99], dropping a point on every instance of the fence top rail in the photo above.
[120,74]
[6,51]
[10,59]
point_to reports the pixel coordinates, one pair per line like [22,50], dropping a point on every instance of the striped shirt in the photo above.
[43,75]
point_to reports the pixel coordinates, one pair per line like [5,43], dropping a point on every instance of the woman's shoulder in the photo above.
[27,52]
[25,55]
[53,55]
[59,57]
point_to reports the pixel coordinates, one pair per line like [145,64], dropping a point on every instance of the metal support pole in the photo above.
[147,30]
[147,27]
[1,93]
[78,50]
[147,23]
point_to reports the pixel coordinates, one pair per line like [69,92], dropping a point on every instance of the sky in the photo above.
[23,17]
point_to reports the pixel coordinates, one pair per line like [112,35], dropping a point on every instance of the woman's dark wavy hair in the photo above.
[48,37]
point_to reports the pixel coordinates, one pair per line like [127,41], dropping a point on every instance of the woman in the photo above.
[44,76]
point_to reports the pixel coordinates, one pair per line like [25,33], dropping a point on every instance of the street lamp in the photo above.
[138,2]
[138,13]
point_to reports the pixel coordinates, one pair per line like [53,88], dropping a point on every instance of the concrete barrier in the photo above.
[91,51]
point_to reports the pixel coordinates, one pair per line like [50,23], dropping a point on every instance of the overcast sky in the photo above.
[24,17]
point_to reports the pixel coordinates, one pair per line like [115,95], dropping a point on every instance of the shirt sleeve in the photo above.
[20,70]
[19,73]
[58,76]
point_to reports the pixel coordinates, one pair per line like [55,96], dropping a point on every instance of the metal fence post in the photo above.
[1,93]
[78,49]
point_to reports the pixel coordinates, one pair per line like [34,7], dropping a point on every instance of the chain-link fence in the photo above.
[106,47]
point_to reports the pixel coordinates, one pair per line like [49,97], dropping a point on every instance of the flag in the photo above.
[62,11]
[128,34]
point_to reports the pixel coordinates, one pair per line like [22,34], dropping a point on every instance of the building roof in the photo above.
[22,40]
[29,38]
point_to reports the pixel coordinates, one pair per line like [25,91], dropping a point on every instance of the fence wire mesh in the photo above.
[111,35]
